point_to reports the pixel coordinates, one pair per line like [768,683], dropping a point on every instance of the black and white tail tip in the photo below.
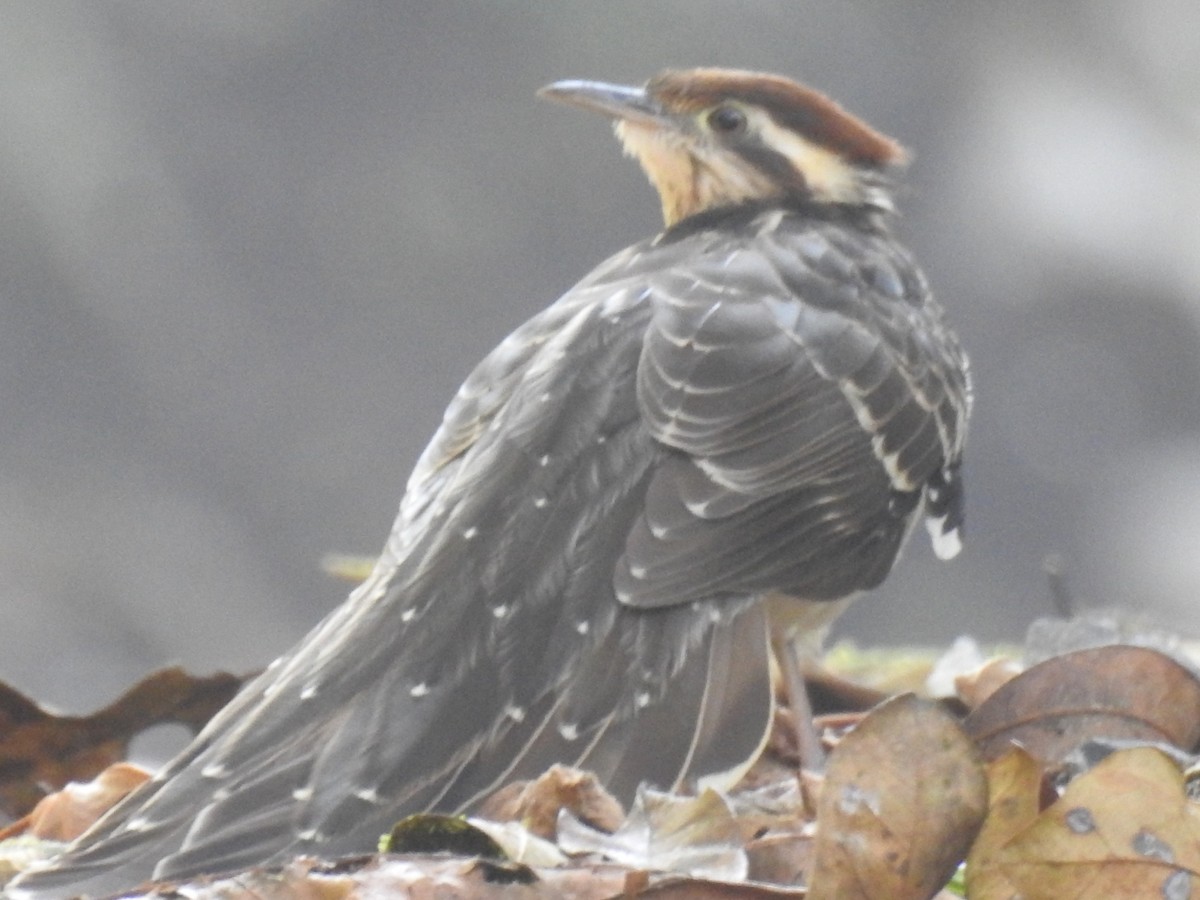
[944,512]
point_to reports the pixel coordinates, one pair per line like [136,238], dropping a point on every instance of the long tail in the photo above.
[262,783]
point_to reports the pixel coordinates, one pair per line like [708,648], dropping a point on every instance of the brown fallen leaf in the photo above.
[1014,802]
[69,812]
[400,877]
[1120,692]
[904,794]
[832,692]
[700,889]
[975,687]
[1123,830]
[536,804]
[40,750]
[428,877]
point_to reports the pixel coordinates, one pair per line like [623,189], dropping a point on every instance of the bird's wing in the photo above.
[814,396]
[487,644]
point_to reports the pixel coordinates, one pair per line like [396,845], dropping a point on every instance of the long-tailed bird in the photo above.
[717,436]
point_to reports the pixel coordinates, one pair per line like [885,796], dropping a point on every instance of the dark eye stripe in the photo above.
[775,165]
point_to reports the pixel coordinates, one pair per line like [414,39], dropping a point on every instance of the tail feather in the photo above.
[709,712]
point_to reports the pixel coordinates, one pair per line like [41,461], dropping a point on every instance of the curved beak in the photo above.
[631,104]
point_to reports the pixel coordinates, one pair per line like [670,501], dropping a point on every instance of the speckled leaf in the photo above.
[903,797]
[1123,830]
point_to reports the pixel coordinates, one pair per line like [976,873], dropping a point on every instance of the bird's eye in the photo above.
[727,120]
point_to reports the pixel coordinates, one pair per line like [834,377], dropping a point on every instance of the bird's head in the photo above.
[709,138]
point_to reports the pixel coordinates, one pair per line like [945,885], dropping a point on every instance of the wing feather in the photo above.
[806,393]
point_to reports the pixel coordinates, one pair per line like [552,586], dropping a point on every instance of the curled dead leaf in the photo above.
[68,813]
[1116,692]
[975,687]
[536,804]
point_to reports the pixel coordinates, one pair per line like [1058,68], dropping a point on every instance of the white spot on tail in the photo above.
[469,533]
[302,795]
[569,731]
[308,692]
[418,690]
[214,770]
[946,544]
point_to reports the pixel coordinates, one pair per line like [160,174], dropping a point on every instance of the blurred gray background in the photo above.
[249,250]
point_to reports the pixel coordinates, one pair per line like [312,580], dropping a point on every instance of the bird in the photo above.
[719,436]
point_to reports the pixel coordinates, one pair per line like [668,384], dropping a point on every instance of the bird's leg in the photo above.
[798,629]
[808,742]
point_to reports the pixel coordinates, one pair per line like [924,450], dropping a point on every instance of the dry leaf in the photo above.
[975,687]
[1014,789]
[665,833]
[780,858]
[519,844]
[536,804]
[1109,692]
[21,853]
[40,750]
[428,877]
[960,658]
[1123,830]
[700,889]
[903,797]
[68,813]
[831,692]
[404,878]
